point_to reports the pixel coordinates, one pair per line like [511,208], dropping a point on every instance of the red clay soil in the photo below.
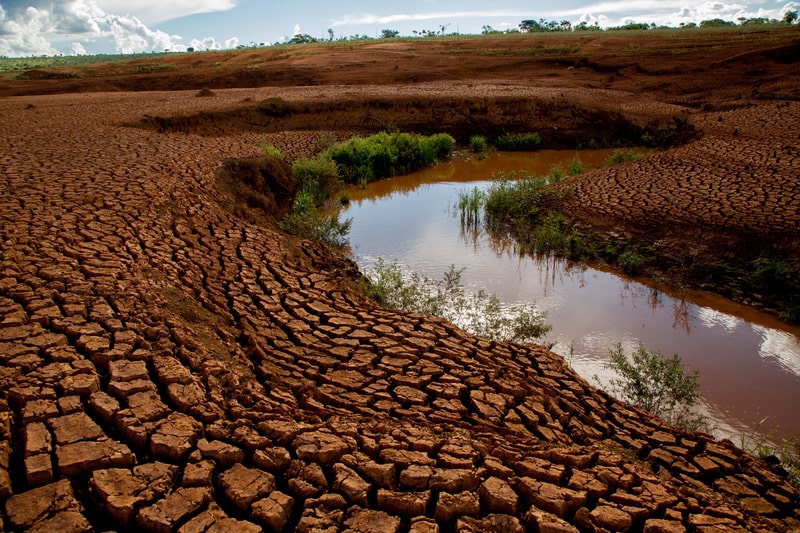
[172,361]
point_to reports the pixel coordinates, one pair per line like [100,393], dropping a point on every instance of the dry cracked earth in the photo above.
[169,366]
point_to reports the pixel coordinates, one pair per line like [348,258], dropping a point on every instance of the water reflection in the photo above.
[749,362]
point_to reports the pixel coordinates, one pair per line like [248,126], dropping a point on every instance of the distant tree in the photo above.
[566,25]
[488,29]
[633,26]
[389,34]
[528,25]
[715,23]
[330,34]
[302,38]
[584,26]
[755,21]
[790,17]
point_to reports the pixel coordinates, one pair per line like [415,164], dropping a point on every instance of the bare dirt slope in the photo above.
[170,365]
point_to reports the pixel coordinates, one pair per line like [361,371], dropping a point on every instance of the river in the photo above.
[749,361]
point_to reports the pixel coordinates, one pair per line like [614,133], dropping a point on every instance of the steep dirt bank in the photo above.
[564,117]
[169,364]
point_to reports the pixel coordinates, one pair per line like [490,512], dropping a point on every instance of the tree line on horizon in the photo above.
[542,26]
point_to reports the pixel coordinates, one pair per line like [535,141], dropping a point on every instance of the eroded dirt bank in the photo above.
[168,365]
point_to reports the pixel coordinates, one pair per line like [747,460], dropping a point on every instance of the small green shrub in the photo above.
[480,313]
[319,181]
[622,155]
[658,385]
[647,139]
[631,262]
[575,166]
[478,143]
[519,203]
[553,233]
[556,175]
[768,274]
[388,154]
[790,311]
[272,150]
[518,141]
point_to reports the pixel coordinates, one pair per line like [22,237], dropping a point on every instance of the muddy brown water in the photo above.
[749,361]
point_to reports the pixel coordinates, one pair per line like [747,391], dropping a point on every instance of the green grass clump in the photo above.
[469,205]
[478,144]
[361,160]
[272,150]
[318,176]
[622,155]
[308,218]
[518,141]
[631,262]
[318,181]
[519,203]
[575,166]
[785,453]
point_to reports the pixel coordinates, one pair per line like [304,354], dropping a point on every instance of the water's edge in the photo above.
[749,361]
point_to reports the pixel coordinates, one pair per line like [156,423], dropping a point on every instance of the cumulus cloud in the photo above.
[210,43]
[155,11]
[31,27]
[130,35]
[356,19]
[23,33]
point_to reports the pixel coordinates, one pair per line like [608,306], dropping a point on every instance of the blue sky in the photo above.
[49,27]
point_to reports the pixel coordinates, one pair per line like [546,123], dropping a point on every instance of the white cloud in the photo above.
[154,11]
[23,33]
[296,30]
[32,27]
[130,35]
[209,43]
[78,49]
[780,346]
[357,19]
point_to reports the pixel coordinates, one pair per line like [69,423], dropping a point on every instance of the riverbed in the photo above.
[748,360]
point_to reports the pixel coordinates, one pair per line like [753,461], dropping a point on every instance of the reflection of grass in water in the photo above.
[470,205]
[480,313]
